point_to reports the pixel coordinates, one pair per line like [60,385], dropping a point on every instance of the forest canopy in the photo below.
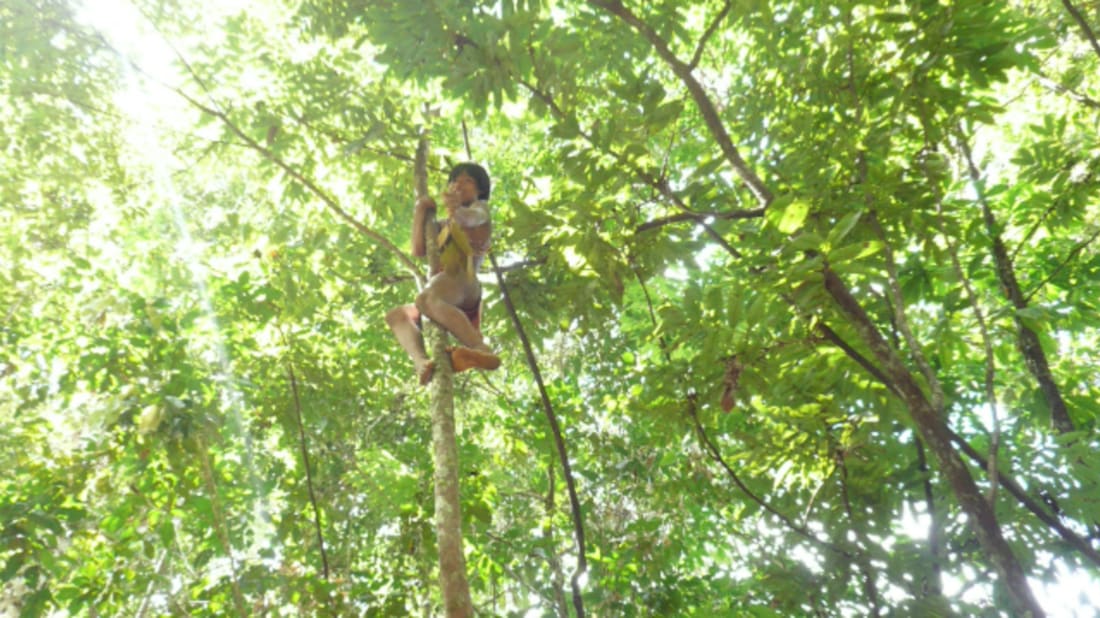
[797,303]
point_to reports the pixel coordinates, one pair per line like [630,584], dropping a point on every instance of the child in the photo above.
[452,297]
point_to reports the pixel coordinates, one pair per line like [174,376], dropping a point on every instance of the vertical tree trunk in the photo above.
[448,516]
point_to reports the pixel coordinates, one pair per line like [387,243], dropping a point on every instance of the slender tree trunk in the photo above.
[448,515]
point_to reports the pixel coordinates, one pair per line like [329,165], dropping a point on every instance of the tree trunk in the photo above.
[448,515]
[938,438]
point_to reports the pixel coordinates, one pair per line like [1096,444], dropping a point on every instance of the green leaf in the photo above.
[842,227]
[788,214]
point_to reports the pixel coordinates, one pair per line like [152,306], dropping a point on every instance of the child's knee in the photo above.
[398,315]
[424,302]
[393,316]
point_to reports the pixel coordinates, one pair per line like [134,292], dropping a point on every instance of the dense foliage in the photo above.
[800,278]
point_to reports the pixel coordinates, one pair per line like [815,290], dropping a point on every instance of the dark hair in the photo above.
[475,171]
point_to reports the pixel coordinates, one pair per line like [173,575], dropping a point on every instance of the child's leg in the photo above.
[440,301]
[402,322]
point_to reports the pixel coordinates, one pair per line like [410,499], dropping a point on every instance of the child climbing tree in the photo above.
[453,289]
[452,297]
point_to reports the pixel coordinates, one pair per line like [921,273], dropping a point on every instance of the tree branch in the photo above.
[658,184]
[1073,94]
[698,93]
[987,345]
[934,542]
[717,21]
[696,217]
[303,447]
[1080,19]
[863,561]
[1069,258]
[901,320]
[1007,482]
[933,429]
[328,200]
[716,455]
[559,442]
[1028,342]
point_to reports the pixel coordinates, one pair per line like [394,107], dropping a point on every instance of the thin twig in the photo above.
[864,563]
[987,346]
[900,319]
[716,455]
[1069,258]
[1085,100]
[215,109]
[659,184]
[221,530]
[552,419]
[304,448]
[934,542]
[717,21]
[695,217]
[293,172]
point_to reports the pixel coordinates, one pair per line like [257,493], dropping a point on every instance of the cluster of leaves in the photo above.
[204,413]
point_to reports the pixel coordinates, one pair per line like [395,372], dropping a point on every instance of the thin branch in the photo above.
[221,530]
[328,200]
[551,417]
[304,448]
[215,110]
[658,184]
[860,360]
[1069,258]
[934,541]
[561,606]
[716,455]
[1025,241]
[717,21]
[1080,19]
[559,442]
[1050,84]
[901,320]
[987,345]
[522,264]
[698,93]
[696,217]
[1030,347]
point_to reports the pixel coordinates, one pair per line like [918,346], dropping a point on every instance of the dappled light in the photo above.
[775,308]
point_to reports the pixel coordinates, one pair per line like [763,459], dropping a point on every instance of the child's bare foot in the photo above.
[424,372]
[474,358]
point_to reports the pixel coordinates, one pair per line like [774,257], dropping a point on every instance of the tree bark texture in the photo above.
[454,588]
[937,436]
